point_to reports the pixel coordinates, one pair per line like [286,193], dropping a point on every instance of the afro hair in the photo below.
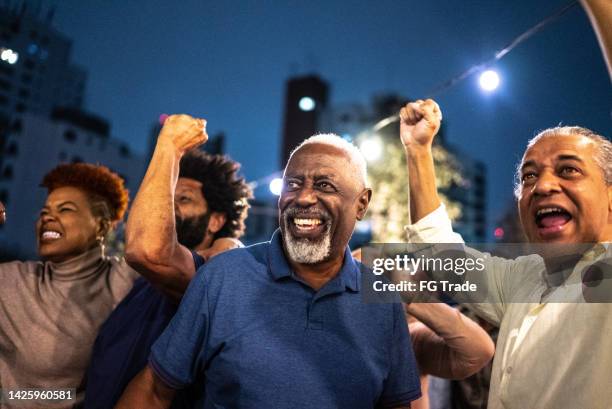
[98,181]
[222,188]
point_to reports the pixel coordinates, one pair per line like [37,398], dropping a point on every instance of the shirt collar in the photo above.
[279,266]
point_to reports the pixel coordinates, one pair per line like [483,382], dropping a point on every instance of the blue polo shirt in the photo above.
[254,336]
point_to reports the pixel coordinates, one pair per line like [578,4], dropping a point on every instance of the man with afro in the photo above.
[189,207]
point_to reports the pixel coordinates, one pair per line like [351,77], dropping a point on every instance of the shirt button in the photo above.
[509,370]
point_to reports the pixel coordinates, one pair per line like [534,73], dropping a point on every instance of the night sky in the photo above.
[228,61]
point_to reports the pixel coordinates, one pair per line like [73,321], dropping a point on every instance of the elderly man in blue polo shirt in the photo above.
[282,324]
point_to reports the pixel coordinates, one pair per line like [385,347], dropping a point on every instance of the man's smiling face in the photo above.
[322,198]
[563,196]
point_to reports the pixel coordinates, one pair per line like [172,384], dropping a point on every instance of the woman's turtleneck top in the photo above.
[50,314]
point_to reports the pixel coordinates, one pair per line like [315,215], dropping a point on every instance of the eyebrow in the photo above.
[570,157]
[527,164]
[67,202]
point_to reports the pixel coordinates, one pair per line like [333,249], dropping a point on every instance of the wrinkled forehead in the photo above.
[553,147]
[316,159]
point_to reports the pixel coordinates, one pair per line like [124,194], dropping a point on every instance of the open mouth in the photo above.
[551,219]
[50,235]
[307,224]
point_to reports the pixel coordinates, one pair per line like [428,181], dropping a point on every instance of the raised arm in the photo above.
[446,343]
[419,123]
[600,14]
[152,247]
[146,391]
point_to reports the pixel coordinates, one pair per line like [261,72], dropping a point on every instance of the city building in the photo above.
[305,100]
[43,123]
[36,74]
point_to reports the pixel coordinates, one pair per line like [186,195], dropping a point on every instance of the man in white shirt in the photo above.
[549,355]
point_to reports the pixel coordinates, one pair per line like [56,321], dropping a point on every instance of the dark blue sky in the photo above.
[227,61]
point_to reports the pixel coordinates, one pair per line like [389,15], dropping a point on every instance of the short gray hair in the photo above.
[336,141]
[603,152]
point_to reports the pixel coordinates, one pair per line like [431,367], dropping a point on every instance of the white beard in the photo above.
[304,250]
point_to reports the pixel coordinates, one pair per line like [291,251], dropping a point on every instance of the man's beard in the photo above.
[304,250]
[191,231]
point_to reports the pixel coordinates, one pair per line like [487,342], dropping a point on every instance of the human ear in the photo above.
[104,225]
[216,222]
[363,202]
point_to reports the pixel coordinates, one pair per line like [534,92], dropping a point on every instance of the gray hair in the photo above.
[603,152]
[336,141]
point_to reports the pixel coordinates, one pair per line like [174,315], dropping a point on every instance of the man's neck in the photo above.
[319,274]
[204,244]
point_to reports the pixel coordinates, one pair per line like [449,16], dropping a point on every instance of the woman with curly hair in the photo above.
[50,310]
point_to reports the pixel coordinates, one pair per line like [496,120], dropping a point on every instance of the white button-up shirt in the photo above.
[548,354]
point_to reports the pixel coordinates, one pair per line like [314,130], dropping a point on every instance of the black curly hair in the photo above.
[224,190]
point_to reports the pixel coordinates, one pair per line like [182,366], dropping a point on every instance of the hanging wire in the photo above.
[444,86]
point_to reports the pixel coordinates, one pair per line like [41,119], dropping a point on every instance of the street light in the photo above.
[489,80]
[307,104]
[8,55]
[371,147]
[276,186]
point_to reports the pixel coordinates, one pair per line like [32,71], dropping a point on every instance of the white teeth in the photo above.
[307,222]
[50,235]
[547,210]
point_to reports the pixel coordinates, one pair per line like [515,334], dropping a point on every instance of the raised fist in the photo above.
[2,213]
[419,123]
[184,132]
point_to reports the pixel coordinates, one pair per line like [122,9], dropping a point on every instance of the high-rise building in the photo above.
[42,76]
[36,74]
[305,99]
[42,122]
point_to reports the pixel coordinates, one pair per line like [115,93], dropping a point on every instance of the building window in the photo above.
[12,149]
[6,69]
[16,27]
[7,174]
[29,64]
[17,125]
[70,136]
[5,85]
